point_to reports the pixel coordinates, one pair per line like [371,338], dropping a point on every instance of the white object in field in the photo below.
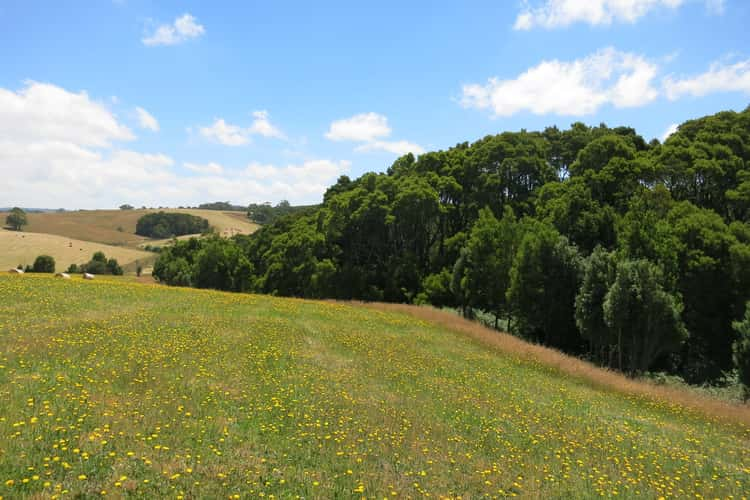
[63,275]
[88,276]
[16,271]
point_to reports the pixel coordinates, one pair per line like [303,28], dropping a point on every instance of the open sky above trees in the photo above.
[178,103]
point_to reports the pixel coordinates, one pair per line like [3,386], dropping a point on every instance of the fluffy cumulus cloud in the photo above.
[42,110]
[146,120]
[720,77]
[362,127]
[226,134]
[571,88]
[396,147]
[235,135]
[370,129]
[181,30]
[560,13]
[63,149]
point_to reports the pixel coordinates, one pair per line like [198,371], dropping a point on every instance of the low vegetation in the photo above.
[128,390]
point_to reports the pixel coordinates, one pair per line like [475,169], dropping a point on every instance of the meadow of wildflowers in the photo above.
[119,389]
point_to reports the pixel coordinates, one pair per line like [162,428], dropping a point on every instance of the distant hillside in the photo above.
[117,227]
[18,247]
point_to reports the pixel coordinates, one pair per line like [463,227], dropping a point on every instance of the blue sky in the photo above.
[178,103]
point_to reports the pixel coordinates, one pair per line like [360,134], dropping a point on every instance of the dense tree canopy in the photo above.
[169,224]
[633,254]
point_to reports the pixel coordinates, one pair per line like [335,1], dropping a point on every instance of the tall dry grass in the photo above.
[574,367]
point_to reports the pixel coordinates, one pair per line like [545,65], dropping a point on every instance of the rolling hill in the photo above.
[18,247]
[113,387]
[117,227]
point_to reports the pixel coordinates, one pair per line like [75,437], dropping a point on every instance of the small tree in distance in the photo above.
[16,219]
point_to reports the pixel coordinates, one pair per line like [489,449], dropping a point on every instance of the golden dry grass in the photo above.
[18,247]
[574,367]
[117,227]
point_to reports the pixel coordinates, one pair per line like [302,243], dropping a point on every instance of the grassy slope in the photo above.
[23,248]
[157,391]
[102,225]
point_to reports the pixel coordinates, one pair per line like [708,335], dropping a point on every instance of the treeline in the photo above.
[169,224]
[265,213]
[591,240]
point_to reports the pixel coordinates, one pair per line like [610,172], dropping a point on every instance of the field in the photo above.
[118,388]
[22,248]
[117,227]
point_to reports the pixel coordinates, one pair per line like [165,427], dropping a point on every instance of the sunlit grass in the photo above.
[111,387]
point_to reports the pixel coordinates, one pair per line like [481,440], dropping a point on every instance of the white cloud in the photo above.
[396,147]
[560,13]
[183,29]
[147,120]
[234,135]
[45,110]
[59,149]
[370,129]
[574,88]
[363,127]
[207,168]
[224,133]
[720,77]
[262,126]
[670,130]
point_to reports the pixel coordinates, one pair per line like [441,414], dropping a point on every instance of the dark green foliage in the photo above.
[741,350]
[16,219]
[44,264]
[489,253]
[99,264]
[167,225]
[544,281]
[598,276]
[126,207]
[72,269]
[644,319]
[265,213]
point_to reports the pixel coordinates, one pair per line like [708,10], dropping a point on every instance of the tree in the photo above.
[489,255]
[644,318]
[126,207]
[44,264]
[16,219]
[544,280]
[598,275]
[741,350]
[113,267]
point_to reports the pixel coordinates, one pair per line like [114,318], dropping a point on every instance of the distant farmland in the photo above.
[117,227]
[22,248]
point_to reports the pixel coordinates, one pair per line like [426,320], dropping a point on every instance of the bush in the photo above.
[73,268]
[44,264]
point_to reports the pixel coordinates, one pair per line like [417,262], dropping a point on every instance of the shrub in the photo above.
[44,264]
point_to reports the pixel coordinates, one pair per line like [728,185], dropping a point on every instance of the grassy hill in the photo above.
[147,391]
[117,227]
[23,248]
